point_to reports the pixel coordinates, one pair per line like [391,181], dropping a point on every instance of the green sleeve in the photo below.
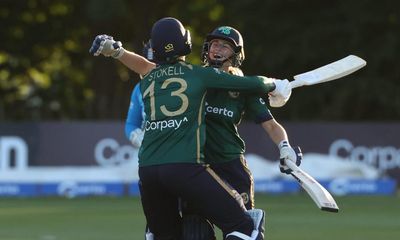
[213,78]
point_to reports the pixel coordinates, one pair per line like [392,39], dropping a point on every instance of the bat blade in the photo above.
[322,198]
[329,72]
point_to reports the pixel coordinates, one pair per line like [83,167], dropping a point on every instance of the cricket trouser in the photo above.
[162,185]
[237,174]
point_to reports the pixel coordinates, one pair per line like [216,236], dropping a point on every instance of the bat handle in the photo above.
[295,84]
[291,165]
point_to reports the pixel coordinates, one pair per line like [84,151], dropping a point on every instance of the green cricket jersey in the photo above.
[224,111]
[174,98]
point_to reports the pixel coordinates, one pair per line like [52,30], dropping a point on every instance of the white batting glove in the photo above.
[275,101]
[136,137]
[106,45]
[288,153]
[281,94]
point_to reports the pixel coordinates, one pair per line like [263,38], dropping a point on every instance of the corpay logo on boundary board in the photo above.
[13,149]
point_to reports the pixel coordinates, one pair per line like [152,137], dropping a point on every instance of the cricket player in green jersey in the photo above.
[171,156]
[224,48]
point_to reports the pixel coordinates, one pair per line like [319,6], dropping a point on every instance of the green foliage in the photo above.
[41,60]
[46,72]
[284,38]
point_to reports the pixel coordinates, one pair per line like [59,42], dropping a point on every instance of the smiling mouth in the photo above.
[217,57]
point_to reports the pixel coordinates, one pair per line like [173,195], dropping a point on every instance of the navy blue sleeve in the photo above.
[257,110]
[135,117]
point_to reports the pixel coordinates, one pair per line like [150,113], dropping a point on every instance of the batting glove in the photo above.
[106,45]
[281,94]
[136,137]
[287,152]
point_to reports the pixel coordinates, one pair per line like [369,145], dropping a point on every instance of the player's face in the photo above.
[220,50]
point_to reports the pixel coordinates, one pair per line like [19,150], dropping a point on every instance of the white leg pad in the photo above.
[257,215]
[149,236]
[240,235]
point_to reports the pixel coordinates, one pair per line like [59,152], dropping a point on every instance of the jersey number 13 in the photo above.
[178,93]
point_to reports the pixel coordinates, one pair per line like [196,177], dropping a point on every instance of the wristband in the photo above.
[119,53]
[283,143]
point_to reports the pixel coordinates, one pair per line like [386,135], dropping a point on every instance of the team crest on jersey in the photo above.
[233,94]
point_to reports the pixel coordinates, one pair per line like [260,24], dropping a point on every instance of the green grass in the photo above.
[288,217]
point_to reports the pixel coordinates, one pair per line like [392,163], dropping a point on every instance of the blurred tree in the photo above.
[46,72]
[287,37]
[41,74]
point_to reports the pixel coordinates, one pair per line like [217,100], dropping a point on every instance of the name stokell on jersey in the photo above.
[174,97]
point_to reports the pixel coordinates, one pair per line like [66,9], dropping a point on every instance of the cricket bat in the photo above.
[318,193]
[329,72]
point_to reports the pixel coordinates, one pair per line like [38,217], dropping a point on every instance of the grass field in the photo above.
[288,217]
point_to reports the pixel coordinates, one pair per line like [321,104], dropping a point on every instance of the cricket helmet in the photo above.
[170,40]
[230,35]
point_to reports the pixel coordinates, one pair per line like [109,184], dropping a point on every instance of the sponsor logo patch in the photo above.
[169,47]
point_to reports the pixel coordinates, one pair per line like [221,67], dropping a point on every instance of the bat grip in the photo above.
[291,165]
